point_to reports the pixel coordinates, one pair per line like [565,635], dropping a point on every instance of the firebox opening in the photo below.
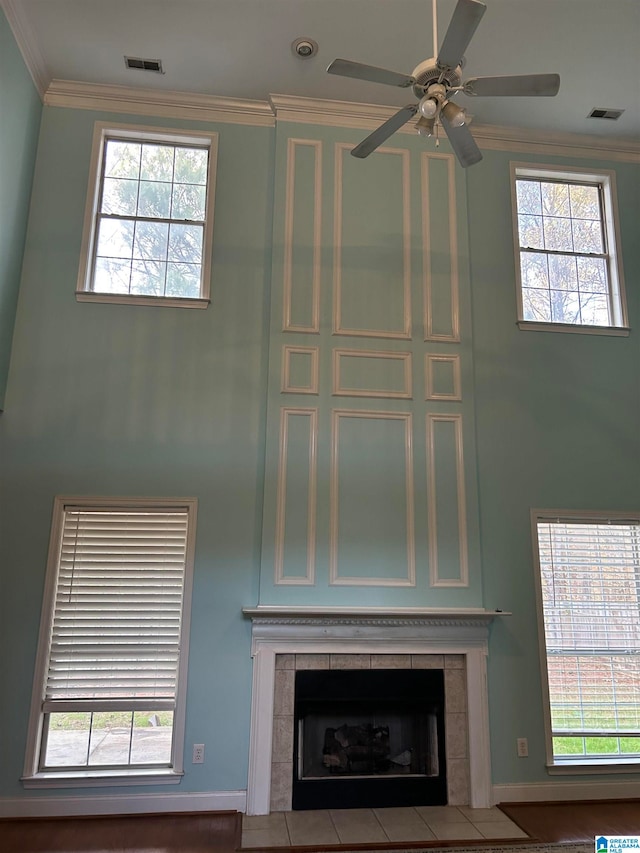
[369,738]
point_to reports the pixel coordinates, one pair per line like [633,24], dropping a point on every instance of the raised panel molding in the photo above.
[338,327]
[312,386]
[335,577]
[449,325]
[431,392]
[404,357]
[286,414]
[315,191]
[433,515]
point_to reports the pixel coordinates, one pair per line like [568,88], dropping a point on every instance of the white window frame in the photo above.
[579,765]
[33,777]
[606,180]
[143,133]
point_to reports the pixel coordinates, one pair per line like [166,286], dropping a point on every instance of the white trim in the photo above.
[286,387]
[280,579]
[31,776]
[27,42]
[282,613]
[136,132]
[335,579]
[155,102]
[611,331]
[364,116]
[427,285]
[139,299]
[405,357]
[122,804]
[432,526]
[331,630]
[454,360]
[536,792]
[606,180]
[289,217]
[405,333]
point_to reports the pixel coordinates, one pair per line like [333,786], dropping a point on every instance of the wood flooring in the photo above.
[206,832]
[202,832]
[583,821]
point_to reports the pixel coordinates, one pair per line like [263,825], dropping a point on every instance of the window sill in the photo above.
[615,331]
[594,765]
[128,299]
[102,778]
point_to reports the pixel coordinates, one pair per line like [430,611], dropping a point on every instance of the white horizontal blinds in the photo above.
[118,606]
[591,592]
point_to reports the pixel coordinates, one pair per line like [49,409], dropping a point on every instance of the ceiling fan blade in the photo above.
[347,68]
[380,134]
[522,85]
[464,21]
[463,144]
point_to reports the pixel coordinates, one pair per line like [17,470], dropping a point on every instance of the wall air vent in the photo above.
[602,112]
[144,64]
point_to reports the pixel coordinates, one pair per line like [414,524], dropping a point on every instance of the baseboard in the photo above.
[122,804]
[537,792]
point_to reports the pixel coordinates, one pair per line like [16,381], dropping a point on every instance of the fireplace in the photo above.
[368,738]
[287,639]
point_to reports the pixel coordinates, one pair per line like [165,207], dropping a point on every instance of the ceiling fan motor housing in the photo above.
[427,73]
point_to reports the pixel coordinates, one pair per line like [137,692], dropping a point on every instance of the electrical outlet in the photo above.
[198,753]
[523,747]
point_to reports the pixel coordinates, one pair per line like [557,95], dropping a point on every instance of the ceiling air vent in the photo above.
[601,112]
[144,64]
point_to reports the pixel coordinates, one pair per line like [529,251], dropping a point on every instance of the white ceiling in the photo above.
[242,49]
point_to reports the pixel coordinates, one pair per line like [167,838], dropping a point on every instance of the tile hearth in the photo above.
[379,826]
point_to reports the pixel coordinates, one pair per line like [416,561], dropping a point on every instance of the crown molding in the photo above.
[27,43]
[495,137]
[317,111]
[156,102]
[489,137]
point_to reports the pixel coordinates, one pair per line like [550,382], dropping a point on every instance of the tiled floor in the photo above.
[366,826]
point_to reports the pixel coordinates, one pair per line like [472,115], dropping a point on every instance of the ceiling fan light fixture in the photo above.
[425,126]
[428,107]
[454,114]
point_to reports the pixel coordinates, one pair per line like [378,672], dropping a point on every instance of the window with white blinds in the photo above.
[112,673]
[118,606]
[590,596]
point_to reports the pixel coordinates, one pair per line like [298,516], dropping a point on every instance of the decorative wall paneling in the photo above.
[300,370]
[372,528]
[370,314]
[371,254]
[377,371]
[302,234]
[295,543]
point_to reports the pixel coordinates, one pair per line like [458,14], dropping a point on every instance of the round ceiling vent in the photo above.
[305,48]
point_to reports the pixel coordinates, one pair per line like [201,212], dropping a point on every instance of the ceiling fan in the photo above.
[437,80]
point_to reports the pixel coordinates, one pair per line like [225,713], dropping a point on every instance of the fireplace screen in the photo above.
[383,729]
[388,741]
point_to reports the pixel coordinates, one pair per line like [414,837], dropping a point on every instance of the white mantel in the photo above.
[358,630]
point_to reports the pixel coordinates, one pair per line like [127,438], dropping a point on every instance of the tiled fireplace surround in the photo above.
[288,639]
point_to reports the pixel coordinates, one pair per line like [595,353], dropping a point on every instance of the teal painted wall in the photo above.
[20,110]
[558,427]
[136,400]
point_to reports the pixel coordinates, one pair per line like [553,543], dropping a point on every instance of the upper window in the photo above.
[588,580]
[148,227]
[109,694]
[567,268]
